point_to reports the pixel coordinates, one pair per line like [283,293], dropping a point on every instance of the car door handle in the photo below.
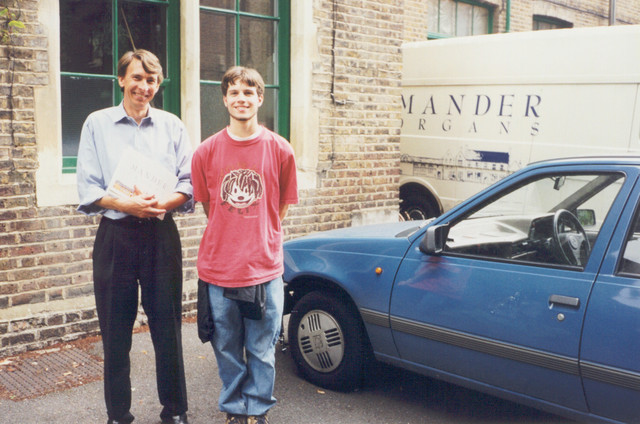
[557,299]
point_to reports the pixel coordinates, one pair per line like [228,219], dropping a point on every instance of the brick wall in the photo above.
[415,20]
[581,13]
[34,244]
[356,89]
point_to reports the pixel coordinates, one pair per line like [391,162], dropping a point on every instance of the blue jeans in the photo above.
[247,385]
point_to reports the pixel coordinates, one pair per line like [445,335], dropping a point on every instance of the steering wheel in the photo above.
[570,238]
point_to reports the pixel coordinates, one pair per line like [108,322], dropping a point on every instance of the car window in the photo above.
[553,219]
[630,263]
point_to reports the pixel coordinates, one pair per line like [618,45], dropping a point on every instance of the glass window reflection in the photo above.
[88,56]
[268,111]
[480,21]
[259,7]
[221,4]
[85,36]
[80,97]
[245,33]
[456,18]
[214,115]
[217,45]
[464,19]
[257,46]
[143,26]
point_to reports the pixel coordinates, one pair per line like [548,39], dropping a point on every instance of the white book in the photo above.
[138,170]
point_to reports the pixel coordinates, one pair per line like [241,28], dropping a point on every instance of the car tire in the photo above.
[327,342]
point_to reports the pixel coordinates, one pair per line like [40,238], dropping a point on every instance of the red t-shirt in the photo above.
[244,182]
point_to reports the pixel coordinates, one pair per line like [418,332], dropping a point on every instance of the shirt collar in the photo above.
[118,114]
[251,137]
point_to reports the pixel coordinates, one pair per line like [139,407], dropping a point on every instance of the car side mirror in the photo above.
[434,239]
[586,217]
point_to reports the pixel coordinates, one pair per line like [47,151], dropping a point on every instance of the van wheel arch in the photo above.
[417,202]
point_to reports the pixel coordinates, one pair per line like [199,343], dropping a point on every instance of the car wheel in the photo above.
[327,342]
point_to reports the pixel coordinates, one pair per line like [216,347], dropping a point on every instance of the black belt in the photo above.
[131,220]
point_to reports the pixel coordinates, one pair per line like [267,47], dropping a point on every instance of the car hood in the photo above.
[379,239]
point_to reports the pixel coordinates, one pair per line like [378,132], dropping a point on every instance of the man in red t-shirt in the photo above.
[245,178]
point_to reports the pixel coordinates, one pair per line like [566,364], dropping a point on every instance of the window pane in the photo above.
[86,47]
[217,45]
[447,17]
[268,110]
[630,262]
[257,46]
[158,99]
[432,16]
[464,19]
[541,25]
[248,37]
[221,4]
[143,26]
[214,115]
[259,7]
[538,222]
[85,36]
[80,97]
[480,20]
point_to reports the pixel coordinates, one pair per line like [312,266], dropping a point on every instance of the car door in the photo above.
[610,352]
[491,312]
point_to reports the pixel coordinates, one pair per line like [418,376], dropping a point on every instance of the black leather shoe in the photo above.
[125,419]
[176,419]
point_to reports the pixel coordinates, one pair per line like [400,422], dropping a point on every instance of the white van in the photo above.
[478,108]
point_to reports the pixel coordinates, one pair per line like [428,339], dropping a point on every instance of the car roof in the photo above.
[596,160]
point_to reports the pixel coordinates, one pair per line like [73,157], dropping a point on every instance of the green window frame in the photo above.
[225,41]
[455,18]
[93,36]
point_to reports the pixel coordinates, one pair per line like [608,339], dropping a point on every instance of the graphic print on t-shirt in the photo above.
[241,188]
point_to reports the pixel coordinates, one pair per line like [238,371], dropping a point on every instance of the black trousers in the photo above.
[147,253]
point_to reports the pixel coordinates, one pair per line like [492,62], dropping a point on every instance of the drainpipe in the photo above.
[507,25]
[612,12]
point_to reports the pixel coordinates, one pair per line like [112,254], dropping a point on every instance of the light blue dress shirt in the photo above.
[105,135]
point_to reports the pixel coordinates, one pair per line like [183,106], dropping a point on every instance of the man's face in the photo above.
[242,101]
[139,86]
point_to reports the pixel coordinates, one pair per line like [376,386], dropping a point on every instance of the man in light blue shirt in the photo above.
[137,242]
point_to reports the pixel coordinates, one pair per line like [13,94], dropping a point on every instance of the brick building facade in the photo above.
[345,125]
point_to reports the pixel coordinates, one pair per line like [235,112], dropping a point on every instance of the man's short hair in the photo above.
[150,63]
[249,76]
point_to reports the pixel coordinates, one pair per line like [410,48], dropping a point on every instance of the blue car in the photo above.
[530,290]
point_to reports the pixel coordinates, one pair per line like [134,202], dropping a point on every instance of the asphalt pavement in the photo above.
[392,396]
